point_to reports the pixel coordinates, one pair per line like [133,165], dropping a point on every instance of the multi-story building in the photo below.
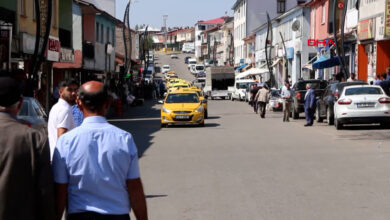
[249,15]
[98,42]
[133,54]
[290,33]
[200,27]
[225,49]
[373,33]
[105,5]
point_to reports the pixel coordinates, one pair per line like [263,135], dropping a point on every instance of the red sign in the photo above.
[340,5]
[320,43]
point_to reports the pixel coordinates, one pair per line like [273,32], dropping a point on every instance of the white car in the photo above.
[191,61]
[166,68]
[240,87]
[174,56]
[362,104]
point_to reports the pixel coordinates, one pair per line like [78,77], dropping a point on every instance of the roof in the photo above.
[104,13]
[219,20]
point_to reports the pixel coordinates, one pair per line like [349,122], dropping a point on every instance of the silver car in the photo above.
[32,114]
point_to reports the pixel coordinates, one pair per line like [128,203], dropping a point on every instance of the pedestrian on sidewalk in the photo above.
[310,105]
[26,180]
[287,94]
[96,165]
[262,98]
[352,78]
[253,93]
[61,116]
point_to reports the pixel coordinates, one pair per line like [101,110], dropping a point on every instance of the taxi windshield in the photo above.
[182,98]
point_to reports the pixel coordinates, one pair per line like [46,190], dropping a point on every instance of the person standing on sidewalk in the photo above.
[26,180]
[262,98]
[287,94]
[96,165]
[61,116]
[310,105]
[253,93]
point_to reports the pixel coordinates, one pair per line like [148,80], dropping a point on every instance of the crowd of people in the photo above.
[83,164]
[260,95]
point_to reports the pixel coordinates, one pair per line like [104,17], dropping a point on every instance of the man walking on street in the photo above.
[61,115]
[96,165]
[262,98]
[26,181]
[253,93]
[310,105]
[286,95]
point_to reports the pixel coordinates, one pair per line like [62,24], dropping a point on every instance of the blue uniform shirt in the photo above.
[95,160]
[77,115]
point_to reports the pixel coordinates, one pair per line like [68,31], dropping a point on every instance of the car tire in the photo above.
[239,98]
[385,125]
[231,98]
[295,113]
[206,114]
[164,125]
[329,117]
[338,124]
[318,116]
[201,124]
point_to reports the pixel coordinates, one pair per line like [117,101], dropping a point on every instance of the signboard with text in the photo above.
[387,19]
[366,29]
[53,49]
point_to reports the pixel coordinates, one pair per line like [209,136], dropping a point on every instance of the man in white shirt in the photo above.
[287,94]
[352,78]
[60,116]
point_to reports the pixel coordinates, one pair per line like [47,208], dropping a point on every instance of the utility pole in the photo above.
[165,17]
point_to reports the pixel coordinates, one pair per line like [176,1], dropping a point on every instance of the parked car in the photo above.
[166,68]
[299,88]
[32,114]
[174,56]
[186,60]
[200,75]
[326,102]
[191,61]
[240,87]
[199,68]
[276,101]
[362,104]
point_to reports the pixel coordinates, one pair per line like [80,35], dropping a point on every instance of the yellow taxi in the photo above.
[171,75]
[182,107]
[201,98]
[174,81]
[177,86]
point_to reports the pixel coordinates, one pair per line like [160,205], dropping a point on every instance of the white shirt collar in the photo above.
[63,102]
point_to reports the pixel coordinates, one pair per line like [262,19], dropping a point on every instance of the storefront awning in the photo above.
[324,62]
[240,67]
[252,72]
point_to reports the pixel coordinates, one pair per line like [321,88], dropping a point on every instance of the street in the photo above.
[240,166]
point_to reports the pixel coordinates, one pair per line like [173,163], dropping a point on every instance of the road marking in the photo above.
[134,119]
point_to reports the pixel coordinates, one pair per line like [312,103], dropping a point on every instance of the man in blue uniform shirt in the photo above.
[96,165]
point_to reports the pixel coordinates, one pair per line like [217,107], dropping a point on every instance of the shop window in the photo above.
[281,6]
[22,8]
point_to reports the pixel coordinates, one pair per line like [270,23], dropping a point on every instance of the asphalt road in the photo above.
[242,167]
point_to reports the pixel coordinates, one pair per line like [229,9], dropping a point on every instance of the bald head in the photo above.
[93,97]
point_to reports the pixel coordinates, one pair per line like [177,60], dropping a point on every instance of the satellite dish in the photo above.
[295,26]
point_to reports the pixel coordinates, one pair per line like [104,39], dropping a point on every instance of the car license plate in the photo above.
[365,105]
[182,117]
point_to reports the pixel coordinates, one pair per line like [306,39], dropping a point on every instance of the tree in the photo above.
[136,27]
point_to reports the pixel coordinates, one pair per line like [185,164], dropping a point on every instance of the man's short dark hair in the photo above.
[384,75]
[67,83]
[94,101]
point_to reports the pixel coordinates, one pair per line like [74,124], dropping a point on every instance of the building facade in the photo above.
[202,26]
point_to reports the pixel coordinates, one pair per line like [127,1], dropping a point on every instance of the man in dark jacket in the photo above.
[26,181]
[253,93]
[310,105]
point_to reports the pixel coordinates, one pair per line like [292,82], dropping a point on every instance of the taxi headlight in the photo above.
[166,110]
[199,109]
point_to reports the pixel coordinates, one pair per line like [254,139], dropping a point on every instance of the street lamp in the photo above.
[165,18]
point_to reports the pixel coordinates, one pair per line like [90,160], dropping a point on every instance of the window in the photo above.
[281,6]
[323,14]
[23,7]
[101,33]
[97,31]
[108,40]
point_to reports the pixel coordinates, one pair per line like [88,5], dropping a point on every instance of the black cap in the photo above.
[10,91]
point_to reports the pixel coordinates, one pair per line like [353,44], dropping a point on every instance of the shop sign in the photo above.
[387,19]
[5,46]
[53,49]
[67,55]
[366,29]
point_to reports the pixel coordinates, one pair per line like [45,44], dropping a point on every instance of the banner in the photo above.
[387,19]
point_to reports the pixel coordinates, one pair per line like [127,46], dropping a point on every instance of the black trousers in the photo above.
[261,106]
[96,216]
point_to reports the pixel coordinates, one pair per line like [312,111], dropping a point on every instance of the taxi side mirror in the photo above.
[204,101]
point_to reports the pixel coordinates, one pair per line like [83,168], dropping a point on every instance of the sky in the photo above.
[180,12]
